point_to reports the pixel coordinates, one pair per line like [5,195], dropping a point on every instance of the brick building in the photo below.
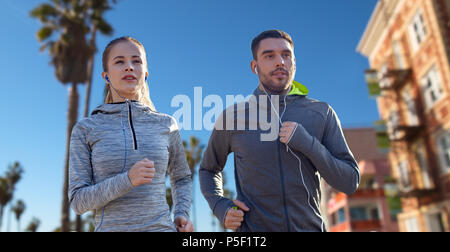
[368,209]
[407,43]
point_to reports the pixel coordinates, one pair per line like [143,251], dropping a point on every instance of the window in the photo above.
[417,30]
[392,125]
[383,80]
[411,112]
[435,223]
[398,55]
[412,225]
[420,156]
[358,214]
[405,182]
[341,215]
[443,142]
[432,87]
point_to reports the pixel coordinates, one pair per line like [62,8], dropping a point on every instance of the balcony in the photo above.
[386,79]
[408,133]
[394,79]
[368,193]
[412,191]
[365,225]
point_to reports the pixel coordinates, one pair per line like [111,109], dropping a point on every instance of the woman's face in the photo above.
[127,69]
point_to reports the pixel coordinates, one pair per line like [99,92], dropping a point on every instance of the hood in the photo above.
[297,89]
[116,108]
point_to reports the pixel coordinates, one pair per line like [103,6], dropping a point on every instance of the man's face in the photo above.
[275,64]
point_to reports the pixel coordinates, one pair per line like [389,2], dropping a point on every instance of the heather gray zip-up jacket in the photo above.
[105,146]
[267,175]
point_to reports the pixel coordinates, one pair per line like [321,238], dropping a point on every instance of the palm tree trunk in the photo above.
[90,70]
[8,224]
[87,98]
[193,202]
[72,117]
[1,217]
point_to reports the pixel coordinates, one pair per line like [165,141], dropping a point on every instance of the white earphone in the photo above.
[256,70]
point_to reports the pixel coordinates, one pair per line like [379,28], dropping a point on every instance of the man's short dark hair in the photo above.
[269,34]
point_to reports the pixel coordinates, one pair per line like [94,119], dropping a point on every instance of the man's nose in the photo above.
[280,62]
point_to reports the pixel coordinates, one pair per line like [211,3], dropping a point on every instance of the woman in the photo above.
[120,155]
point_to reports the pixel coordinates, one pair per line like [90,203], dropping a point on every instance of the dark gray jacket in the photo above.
[267,176]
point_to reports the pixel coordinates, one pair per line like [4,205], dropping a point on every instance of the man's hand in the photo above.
[183,224]
[234,218]
[142,172]
[287,129]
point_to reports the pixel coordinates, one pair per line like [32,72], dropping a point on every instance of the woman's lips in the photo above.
[129,78]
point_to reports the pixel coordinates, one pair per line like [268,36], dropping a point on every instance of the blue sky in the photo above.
[203,43]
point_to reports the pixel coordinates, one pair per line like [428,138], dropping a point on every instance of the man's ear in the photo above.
[253,66]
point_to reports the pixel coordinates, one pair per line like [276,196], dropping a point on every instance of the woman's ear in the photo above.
[105,77]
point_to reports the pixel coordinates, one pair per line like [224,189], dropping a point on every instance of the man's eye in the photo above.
[137,61]
[119,62]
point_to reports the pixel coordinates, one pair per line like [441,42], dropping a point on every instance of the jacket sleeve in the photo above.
[180,174]
[332,158]
[210,174]
[84,194]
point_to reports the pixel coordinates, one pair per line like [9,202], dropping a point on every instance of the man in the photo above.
[278,182]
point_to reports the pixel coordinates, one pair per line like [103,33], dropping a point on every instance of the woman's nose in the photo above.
[129,67]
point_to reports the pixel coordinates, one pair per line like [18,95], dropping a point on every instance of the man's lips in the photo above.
[279,74]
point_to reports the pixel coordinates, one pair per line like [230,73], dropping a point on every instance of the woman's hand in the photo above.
[142,172]
[183,224]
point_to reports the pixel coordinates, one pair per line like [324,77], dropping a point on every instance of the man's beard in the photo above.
[272,88]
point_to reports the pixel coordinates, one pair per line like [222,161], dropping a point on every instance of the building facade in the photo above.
[371,207]
[407,45]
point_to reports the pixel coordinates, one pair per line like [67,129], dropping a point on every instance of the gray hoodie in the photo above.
[105,146]
[282,193]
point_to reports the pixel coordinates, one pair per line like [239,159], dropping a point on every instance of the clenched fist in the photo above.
[234,218]
[286,131]
[142,172]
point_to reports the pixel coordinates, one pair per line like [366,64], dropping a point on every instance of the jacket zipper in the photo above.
[130,121]
[283,188]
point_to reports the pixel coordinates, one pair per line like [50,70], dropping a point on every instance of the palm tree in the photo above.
[13,175]
[5,196]
[194,153]
[96,10]
[34,224]
[193,156]
[7,186]
[69,54]
[18,209]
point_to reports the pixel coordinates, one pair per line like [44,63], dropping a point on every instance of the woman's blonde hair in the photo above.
[144,94]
